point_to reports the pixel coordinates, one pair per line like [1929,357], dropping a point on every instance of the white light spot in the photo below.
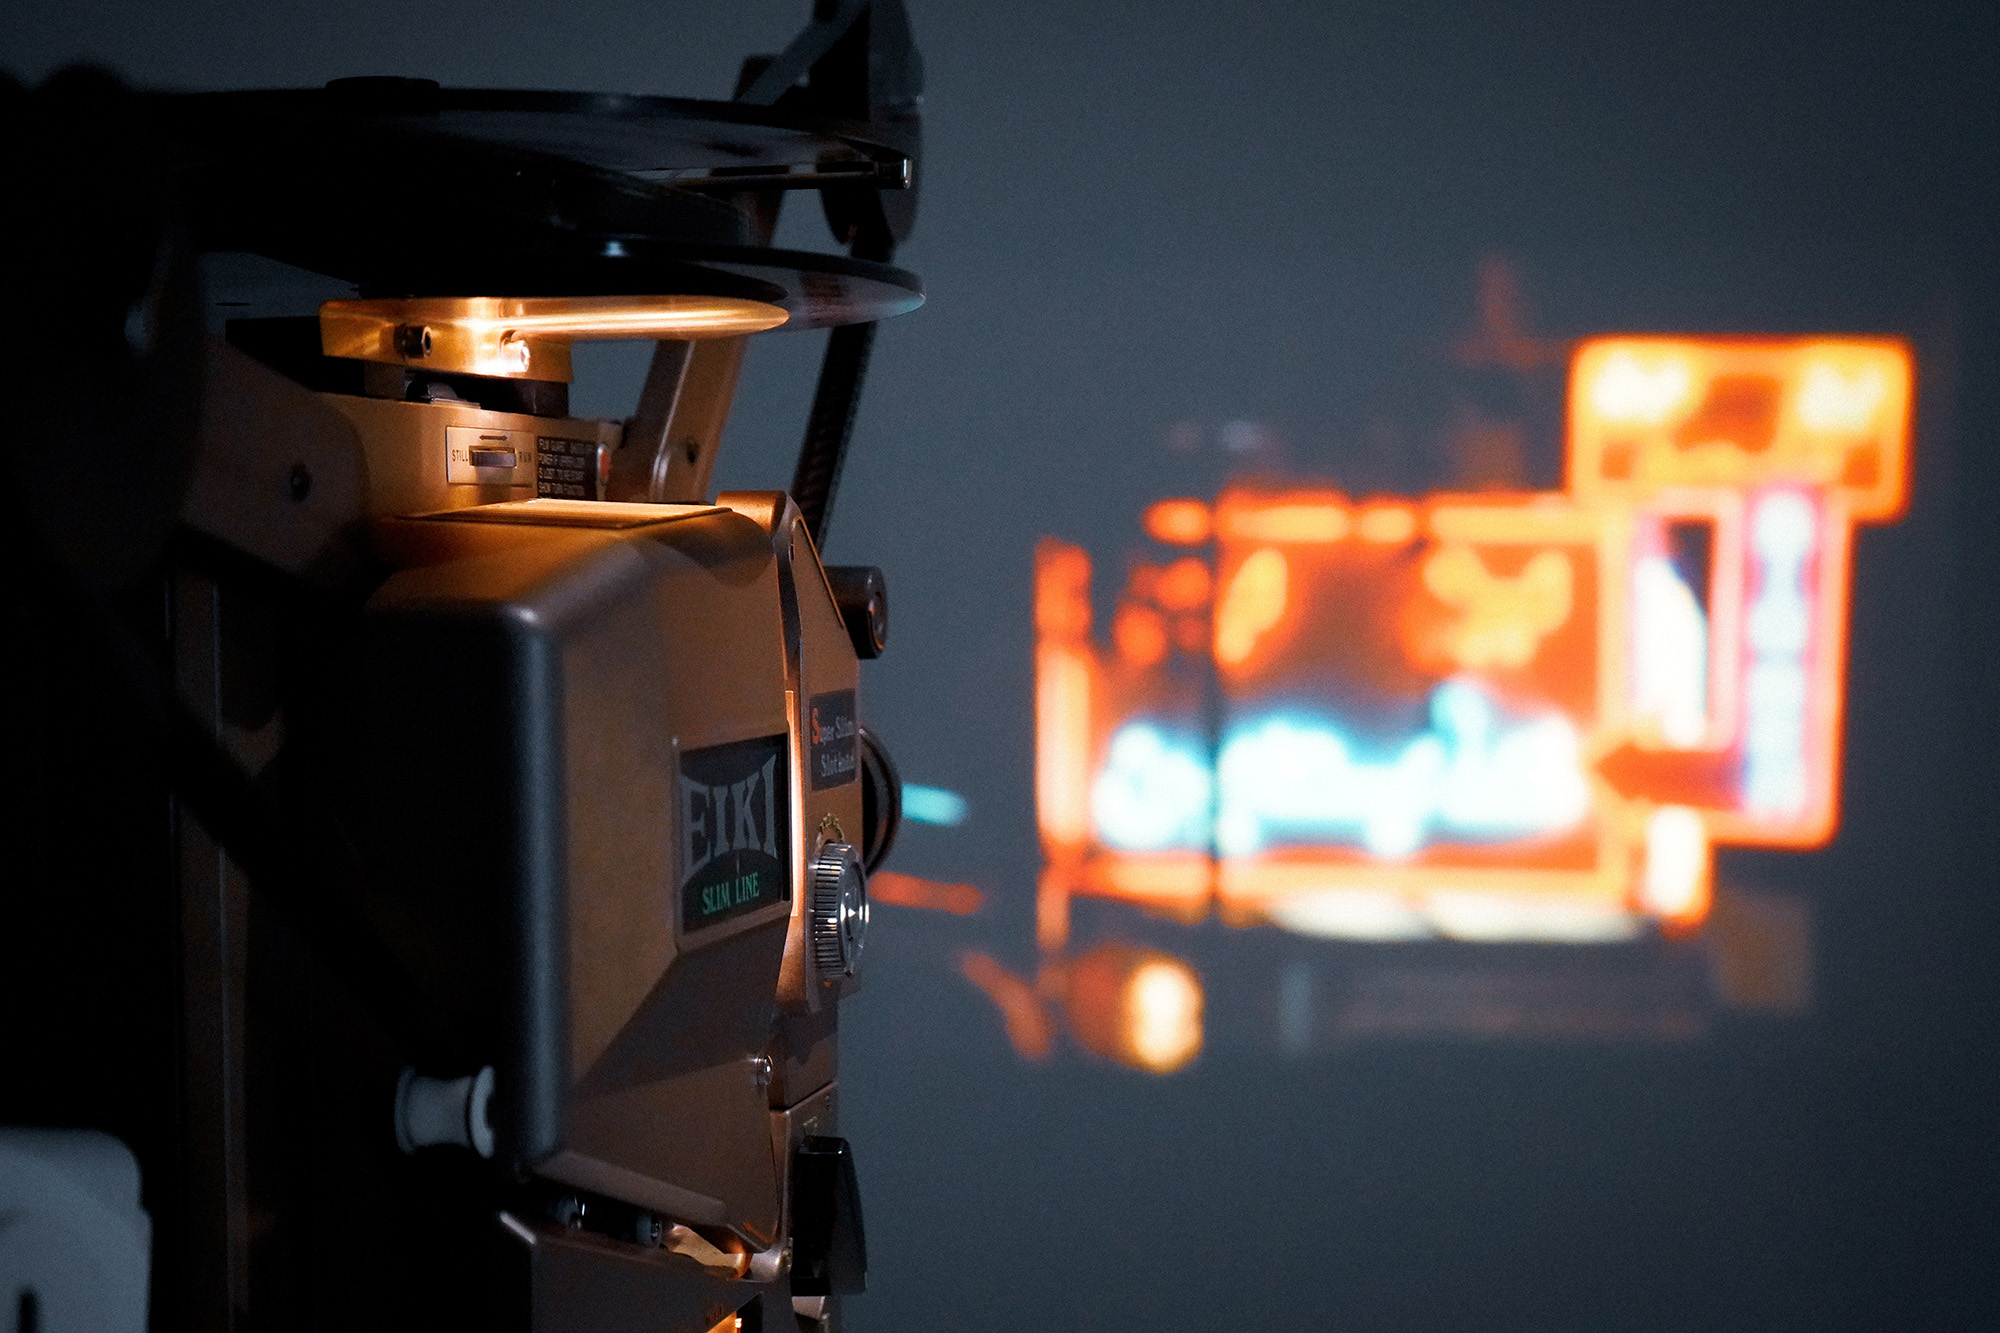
[1676,862]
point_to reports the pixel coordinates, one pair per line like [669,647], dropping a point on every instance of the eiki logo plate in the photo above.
[735,830]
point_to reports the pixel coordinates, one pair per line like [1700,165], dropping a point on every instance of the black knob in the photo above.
[829,1249]
[881,801]
[863,598]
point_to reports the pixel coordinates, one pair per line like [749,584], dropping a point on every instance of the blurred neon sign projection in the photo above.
[1488,716]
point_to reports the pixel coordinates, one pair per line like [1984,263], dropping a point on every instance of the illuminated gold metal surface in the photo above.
[524,337]
[728,1257]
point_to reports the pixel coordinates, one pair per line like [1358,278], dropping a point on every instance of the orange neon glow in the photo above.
[1303,519]
[1390,524]
[1178,522]
[1650,414]
[1165,879]
[1062,715]
[1501,619]
[1183,586]
[930,895]
[1140,635]
[1253,601]
[1064,666]
[1062,591]
[1495,715]
[1675,883]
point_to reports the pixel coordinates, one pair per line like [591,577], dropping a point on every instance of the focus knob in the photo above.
[839,911]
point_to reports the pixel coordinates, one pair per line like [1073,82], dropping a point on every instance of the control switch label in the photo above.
[569,469]
[478,457]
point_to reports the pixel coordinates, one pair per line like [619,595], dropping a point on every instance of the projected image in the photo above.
[1499,717]
[1512,716]
[1472,753]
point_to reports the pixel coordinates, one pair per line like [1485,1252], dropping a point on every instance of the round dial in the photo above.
[839,910]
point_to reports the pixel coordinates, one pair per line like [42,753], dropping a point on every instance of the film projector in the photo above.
[473,832]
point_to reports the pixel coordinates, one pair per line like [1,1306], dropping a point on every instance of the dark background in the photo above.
[1141,223]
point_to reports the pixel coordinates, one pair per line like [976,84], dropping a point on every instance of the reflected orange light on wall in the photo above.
[1030,1029]
[1140,1007]
[930,895]
[1496,715]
